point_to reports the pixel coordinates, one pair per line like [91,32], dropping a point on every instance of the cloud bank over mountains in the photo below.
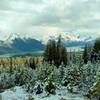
[44,17]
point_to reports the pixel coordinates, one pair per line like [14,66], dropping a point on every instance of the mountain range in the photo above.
[15,44]
[71,40]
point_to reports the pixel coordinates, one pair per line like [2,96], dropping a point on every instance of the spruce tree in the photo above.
[32,63]
[95,54]
[85,54]
[56,53]
[50,52]
[11,65]
[97,45]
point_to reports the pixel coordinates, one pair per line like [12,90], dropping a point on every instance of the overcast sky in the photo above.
[44,17]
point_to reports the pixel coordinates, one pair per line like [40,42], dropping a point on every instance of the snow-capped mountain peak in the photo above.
[9,40]
[64,36]
[71,37]
[12,37]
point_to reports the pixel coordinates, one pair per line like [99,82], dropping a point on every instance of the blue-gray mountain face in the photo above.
[79,43]
[19,45]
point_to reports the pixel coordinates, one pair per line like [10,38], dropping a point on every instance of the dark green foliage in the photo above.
[96,89]
[85,54]
[95,54]
[50,52]
[39,90]
[73,77]
[32,63]
[97,45]
[11,66]
[56,53]
[50,88]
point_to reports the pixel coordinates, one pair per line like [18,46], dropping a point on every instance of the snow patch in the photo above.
[18,93]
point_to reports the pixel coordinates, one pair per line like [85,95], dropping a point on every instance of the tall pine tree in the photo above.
[56,53]
[97,45]
[85,54]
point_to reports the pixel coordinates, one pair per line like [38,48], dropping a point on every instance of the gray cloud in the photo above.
[45,16]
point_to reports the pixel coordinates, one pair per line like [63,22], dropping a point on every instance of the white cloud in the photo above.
[42,17]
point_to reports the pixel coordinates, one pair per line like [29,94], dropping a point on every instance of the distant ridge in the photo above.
[15,44]
[70,40]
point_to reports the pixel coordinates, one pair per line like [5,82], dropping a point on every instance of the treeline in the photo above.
[56,53]
[93,54]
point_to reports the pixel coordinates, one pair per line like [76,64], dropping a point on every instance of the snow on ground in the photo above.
[18,93]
